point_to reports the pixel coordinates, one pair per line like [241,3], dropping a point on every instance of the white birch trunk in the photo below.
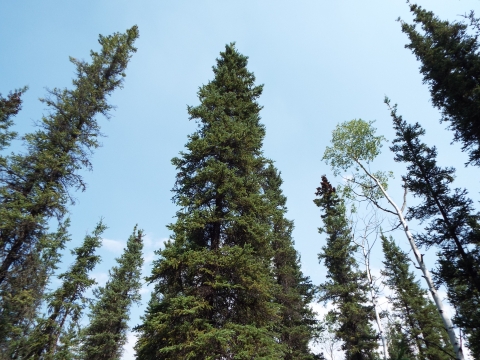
[375,304]
[447,322]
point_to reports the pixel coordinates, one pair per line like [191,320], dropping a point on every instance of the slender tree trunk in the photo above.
[375,303]
[447,322]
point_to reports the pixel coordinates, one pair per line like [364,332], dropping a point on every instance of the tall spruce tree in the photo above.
[106,332]
[35,186]
[415,313]
[55,336]
[215,292]
[295,291]
[450,64]
[454,225]
[346,286]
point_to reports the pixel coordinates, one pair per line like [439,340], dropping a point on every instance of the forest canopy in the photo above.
[397,248]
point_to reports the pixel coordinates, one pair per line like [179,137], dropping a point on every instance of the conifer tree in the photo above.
[398,343]
[9,107]
[35,186]
[214,295]
[346,286]
[55,335]
[19,313]
[417,316]
[295,291]
[450,58]
[454,225]
[106,332]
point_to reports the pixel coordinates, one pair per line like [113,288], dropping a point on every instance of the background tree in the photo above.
[106,332]
[448,52]
[214,293]
[371,226]
[347,286]
[34,187]
[355,145]
[398,342]
[55,336]
[295,292]
[9,107]
[415,313]
[453,224]
[17,317]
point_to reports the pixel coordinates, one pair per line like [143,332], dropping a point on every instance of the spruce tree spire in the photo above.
[214,291]
[346,286]
[55,336]
[294,291]
[106,332]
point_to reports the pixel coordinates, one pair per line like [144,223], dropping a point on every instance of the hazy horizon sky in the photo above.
[321,63]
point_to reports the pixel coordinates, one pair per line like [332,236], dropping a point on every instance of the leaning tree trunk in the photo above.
[447,322]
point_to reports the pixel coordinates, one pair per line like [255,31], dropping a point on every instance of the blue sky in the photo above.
[322,62]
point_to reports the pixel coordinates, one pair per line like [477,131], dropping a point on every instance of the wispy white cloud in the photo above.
[101,278]
[115,246]
[150,242]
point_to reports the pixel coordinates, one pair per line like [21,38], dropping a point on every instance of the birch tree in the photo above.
[354,146]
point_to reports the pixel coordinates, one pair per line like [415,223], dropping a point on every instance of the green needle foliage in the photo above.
[346,286]
[9,107]
[19,313]
[215,291]
[106,332]
[34,186]
[295,291]
[454,225]
[398,344]
[55,336]
[415,313]
[448,52]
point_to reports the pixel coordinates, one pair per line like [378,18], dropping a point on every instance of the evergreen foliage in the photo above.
[35,186]
[346,286]
[454,226]
[398,343]
[448,52]
[106,332]
[416,315]
[56,336]
[19,313]
[9,107]
[214,294]
[228,284]
[295,291]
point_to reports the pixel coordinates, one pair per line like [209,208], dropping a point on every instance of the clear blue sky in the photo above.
[322,62]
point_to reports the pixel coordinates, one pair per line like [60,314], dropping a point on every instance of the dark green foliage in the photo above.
[214,295]
[454,226]
[416,315]
[398,344]
[35,186]
[55,335]
[450,60]
[346,286]
[9,107]
[106,332]
[295,292]
[19,312]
